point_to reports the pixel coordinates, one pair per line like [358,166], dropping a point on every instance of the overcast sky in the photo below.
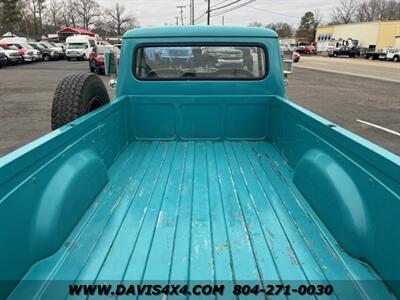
[161,12]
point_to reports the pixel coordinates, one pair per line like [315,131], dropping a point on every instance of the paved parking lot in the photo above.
[350,101]
[26,93]
[361,67]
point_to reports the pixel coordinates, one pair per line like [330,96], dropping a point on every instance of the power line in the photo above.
[226,5]
[210,8]
[202,19]
[219,3]
[271,12]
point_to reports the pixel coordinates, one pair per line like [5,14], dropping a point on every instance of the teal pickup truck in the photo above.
[197,172]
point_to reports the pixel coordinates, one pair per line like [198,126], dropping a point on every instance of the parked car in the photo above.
[27,52]
[28,49]
[47,53]
[306,49]
[59,51]
[59,45]
[3,58]
[174,56]
[296,56]
[96,58]
[393,54]
[197,176]
[310,49]
[345,51]
[227,56]
[12,53]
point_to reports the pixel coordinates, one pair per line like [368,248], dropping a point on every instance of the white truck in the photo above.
[393,54]
[79,47]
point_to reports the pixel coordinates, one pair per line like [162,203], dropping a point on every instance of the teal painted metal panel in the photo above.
[271,85]
[213,117]
[353,185]
[188,210]
[202,31]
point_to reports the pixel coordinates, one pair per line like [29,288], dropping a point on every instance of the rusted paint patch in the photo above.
[292,256]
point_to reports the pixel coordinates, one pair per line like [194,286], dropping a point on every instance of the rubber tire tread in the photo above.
[72,97]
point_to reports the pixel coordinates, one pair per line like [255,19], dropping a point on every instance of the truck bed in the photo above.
[202,211]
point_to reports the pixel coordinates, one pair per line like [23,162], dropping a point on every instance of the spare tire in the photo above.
[76,95]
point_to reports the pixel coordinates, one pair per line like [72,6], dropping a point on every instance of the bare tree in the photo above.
[393,10]
[378,10]
[284,30]
[318,16]
[52,15]
[87,11]
[344,13]
[67,16]
[256,24]
[37,17]
[120,20]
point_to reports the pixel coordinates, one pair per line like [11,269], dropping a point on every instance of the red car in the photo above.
[96,58]
[25,51]
[296,57]
[306,49]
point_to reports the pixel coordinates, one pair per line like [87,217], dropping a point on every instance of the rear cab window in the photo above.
[75,46]
[200,62]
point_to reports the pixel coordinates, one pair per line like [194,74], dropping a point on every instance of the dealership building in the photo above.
[372,35]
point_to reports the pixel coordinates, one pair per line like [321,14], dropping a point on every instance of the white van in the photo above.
[15,39]
[79,47]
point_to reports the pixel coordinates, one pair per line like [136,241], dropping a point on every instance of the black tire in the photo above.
[69,59]
[46,57]
[76,95]
[396,58]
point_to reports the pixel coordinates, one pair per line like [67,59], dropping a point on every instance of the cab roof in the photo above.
[200,31]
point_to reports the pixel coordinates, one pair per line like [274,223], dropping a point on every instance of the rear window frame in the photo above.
[202,44]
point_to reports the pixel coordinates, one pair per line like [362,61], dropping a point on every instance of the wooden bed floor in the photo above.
[202,211]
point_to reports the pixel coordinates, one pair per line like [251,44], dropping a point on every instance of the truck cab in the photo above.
[79,47]
[393,54]
[345,51]
[195,174]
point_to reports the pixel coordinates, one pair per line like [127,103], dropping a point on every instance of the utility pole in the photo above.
[177,21]
[181,7]
[223,20]
[191,12]
[208,11]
